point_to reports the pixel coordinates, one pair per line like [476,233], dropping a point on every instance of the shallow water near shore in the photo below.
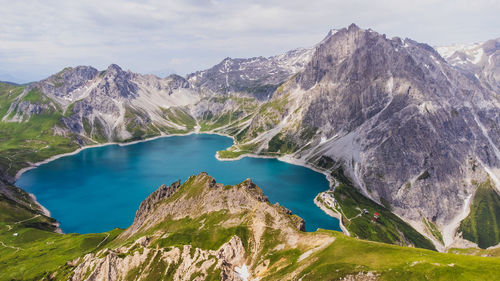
[101,188]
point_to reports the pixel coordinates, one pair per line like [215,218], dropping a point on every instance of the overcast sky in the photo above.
[39,38]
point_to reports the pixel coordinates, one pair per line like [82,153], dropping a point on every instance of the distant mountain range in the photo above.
[413,128]
[10,83]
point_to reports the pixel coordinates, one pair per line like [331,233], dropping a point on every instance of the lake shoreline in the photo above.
[286,159]
[57,156]
[332,214]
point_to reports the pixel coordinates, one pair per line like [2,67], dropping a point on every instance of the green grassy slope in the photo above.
[387,228]
[29,247]
[349,256]
[180,116]
[8,93]
[30,141]
[482,225]
[35,253]
[231,120]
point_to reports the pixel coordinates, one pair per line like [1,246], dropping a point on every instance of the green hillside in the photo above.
[482,225]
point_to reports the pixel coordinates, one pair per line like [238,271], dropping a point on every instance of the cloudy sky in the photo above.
[39,38]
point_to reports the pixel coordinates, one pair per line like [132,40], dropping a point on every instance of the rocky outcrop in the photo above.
[162,192]
[147,206]
[66,85]
[209,197]
[176,263]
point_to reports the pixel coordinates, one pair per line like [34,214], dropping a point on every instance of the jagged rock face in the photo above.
[176,263]
[258,76]
[408,113]
[482,60]
[177,82]
[117,83]
[114,104]
[212,197]
[147,206]
[64,86]
[407,126]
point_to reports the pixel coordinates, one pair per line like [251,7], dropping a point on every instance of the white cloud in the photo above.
[38,38]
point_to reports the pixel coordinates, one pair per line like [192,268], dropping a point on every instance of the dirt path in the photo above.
[9,227]
[358,215]
[27,219]
[105,238]
[6,246]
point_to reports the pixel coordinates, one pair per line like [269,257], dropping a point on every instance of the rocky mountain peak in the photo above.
[491,46]
[337,51]
[117,82]
[354,54]
[363,92]
[61,86]
[161,193]
[177,81]
[114,68]
[73,76]
[353,27]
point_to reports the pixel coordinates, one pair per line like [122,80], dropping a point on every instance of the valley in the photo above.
[399,129]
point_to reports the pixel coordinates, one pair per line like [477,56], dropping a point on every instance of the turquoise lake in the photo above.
[101,188]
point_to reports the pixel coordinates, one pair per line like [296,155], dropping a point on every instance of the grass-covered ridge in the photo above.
[35,96]
[431,227]
[238,111]
[482,225]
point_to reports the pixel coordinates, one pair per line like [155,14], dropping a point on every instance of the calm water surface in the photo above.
[101,188]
